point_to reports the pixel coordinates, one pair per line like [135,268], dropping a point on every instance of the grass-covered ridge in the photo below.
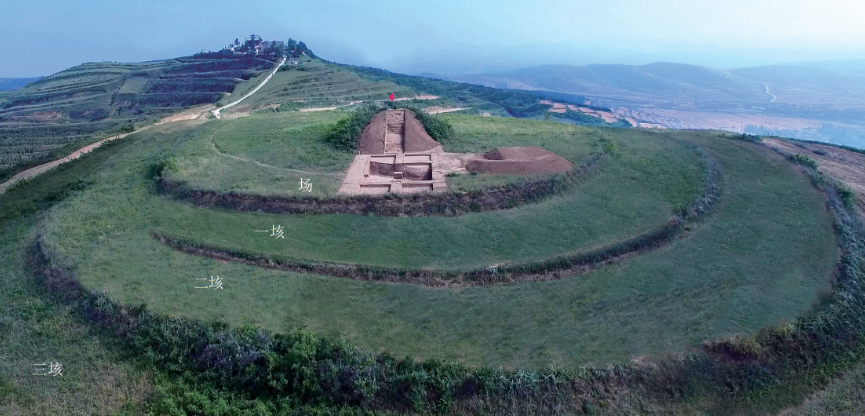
[532,325]
[739,375]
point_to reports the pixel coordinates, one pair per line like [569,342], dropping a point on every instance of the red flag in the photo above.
[390,96]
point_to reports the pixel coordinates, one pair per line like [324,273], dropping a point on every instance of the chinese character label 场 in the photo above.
[305,186]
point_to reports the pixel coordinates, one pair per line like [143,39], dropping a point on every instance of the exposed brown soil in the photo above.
[844,165]
[400,128]
[371,141]
[519,160]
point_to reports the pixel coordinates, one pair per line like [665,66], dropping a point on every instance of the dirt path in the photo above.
[190,114]
[232,104]
[439,110]
[29,173]
[773,97]
[264,165]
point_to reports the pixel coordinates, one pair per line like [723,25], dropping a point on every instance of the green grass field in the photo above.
[314,83]
[739,271]
[36,329]
[262,155]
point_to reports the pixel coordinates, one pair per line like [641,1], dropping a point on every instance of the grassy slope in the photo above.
[601,214]
[315,84]
[845,396]
[288,143]
[736,273]
[35,329]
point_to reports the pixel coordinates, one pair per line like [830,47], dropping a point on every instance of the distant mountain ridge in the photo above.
[832,90]
[8,84]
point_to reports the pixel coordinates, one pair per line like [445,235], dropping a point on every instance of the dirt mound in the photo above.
[520,160]
[416,137]
[394,131]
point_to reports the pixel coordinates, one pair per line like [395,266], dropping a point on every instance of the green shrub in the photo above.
[346,132]
[848,197]
[803,160]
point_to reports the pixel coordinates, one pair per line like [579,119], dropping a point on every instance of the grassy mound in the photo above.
[737,272]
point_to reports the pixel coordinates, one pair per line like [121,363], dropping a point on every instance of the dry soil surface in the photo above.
[844,165]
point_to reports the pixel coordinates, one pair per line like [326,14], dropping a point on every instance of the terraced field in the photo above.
[313,84]
[90,99]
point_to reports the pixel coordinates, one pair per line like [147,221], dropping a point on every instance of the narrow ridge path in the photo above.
[234,103]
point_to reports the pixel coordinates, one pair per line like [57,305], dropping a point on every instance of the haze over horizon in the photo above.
[439,37]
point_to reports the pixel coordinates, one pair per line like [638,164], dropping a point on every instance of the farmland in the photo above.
[81,104]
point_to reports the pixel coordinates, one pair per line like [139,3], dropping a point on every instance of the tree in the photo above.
[236,42]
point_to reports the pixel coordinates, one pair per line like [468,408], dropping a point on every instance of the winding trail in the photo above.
[190,114]
[773,97]
[232,104]
[36,170]
[243,159]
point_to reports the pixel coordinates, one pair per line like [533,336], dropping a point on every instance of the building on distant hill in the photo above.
[255,45]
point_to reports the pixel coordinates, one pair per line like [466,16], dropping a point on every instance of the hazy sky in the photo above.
[43,37]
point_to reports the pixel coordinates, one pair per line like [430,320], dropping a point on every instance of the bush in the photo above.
[346,132]
[803,160]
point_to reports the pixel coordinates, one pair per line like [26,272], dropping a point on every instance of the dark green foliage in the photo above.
[346,132]
[848,197]
[584,119]
[744,137]
[803,160]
